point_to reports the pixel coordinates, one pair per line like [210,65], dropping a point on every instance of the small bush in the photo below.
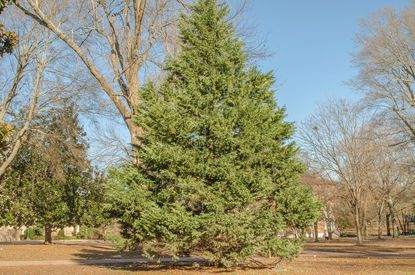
[61,234]
[86,232]
[117,241]
[32,233]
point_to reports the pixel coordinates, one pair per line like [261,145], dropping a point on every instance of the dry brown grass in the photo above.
[390,256]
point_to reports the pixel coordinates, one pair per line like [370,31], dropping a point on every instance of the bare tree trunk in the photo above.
[379,225]
[358,225]
[364,231]
[17,233]
[392,216]
[135,134]
[388,225]
[330,230]
[379,212]
[316,231]
[401,225]
[48,234]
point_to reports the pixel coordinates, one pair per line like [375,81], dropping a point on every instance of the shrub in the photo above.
[32,232]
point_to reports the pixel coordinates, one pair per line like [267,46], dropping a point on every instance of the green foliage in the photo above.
[8,39]
[61,234]
[50,182]
[6,131]
[117,241]
[4,3]
[32,232]
[218,174]
[300,206]
[86,232]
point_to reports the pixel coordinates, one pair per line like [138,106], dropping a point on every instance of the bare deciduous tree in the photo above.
[386,62]
[22,89]
[335,139]
[391,180]
[118,42]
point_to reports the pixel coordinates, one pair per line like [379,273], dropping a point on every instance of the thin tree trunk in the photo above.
[392,216]
[379,212]
[358,225]
[48,234]
[17,233]
[365,232]
[379,225]
[388,225]
[363,224]
[329,229]
[316,232]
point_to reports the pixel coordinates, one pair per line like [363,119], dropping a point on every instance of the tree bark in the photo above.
[329,229]
[379,225]
[48,234]
[388,225]
[392,216]
[135,134]
[358,225]
[316,232]
[17,233]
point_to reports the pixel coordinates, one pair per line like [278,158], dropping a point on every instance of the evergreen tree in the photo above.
[50,183]
[217,174]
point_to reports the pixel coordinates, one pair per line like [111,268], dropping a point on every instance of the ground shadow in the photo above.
[376,248]
[135,262]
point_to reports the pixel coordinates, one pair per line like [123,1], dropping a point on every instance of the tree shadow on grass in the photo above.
[134,262]
[370,248]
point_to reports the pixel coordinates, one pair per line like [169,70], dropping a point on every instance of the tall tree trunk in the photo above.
[379,225]
[16,233]
[48,234]
[135,134]
[392,216]
[330,230]
[364,231]
[363,224]
[358,225]
[388,225]
[379,212]
[316,232]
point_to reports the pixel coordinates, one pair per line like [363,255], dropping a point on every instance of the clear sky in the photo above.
[312,42]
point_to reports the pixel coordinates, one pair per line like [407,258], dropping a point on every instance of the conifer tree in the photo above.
[218,174]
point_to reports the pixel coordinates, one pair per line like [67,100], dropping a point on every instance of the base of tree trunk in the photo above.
[48,235]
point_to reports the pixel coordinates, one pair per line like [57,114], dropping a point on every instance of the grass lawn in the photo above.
[387,256]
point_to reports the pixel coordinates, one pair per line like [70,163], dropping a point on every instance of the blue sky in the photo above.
[311,44]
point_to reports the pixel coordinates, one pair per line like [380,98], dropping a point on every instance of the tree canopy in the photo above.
[51,183]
